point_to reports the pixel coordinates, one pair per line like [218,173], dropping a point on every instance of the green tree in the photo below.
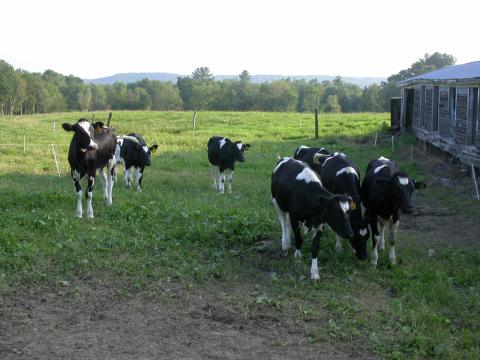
[332,105]
[202,74]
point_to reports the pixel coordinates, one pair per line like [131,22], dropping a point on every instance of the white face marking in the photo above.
[377,169]
[222,142]
[85,125]
[403,180]
[308,175]
[281,162]
[344,205]
[383,158]
[363,232]
[239,145]
[347,170]
[145,148]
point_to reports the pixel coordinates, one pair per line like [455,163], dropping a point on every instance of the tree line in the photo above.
[23,92]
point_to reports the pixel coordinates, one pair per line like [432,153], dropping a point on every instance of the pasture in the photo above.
[204,271]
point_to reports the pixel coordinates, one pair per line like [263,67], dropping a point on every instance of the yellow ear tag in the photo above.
[353,206]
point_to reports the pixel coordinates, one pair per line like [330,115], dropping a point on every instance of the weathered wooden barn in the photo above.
[442,108]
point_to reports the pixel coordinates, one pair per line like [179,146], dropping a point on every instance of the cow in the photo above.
[132,151]
[386,191]
[299,198]
[92,147]
[222,154]
[340,176]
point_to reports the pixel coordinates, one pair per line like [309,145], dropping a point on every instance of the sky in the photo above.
[363,38]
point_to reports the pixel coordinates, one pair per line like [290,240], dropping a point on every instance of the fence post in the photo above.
[194,119]
[393,145]
[316,123]
[375,142]
[56,161]
[24,144]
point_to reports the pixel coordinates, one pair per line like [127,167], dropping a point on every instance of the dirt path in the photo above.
[172,324]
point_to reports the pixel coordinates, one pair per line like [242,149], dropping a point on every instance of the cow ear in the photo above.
[153,148]
[68,127]
[247,146]
[419,185]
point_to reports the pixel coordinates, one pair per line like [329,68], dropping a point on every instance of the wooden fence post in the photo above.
[194,119]
[316,123]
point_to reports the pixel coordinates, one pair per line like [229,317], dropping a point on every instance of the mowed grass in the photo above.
[180,230]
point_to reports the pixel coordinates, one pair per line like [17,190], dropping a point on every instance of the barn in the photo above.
[442,108]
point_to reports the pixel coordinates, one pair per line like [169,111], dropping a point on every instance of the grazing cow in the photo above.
[385,191]
[223,153]
[92,147]
[132,151]
[299,197]
[341,176]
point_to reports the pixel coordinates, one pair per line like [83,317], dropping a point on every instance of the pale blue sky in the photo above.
[351,38]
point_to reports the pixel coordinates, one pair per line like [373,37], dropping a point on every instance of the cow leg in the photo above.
[285,226]
[229,180]
[222,182]
[381,245]
[111,166]
[315,247]
[115,173]
[78,190]
[103,180]
[213,172]
[138,178]
[127,174]
[393,235]
[338,244]
[91,181]
[298,239]
[375,240]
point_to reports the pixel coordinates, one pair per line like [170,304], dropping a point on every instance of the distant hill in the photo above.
[133,77]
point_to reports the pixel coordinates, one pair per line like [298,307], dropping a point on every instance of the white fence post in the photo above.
[55,158]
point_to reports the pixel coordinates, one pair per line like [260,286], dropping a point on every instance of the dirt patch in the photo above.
[102,322]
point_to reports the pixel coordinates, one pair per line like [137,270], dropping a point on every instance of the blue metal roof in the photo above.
[457,72]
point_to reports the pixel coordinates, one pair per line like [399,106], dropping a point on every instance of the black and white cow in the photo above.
[132,151]
[222,154]
[92,147]
[306,154]
[299,198]
[340,175]
[385,191]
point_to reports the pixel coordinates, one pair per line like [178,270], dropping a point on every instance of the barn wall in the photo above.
[461,117]
[428,109]
[443,121]
[417,106]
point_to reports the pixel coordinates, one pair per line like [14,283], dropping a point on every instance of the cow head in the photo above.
[401,188]
[337,211]
[237,150]
[147,152]
[83,133]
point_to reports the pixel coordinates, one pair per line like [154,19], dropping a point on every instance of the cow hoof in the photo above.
[285,252]
[338,249]
[373,263]
[315,277]
[78,216]
[393,261]
[90,216]
[108,202]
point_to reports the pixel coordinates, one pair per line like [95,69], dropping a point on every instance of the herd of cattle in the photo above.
[313,188]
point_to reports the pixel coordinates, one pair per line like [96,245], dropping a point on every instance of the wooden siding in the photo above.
[428,109]
[443,123]
[417,106]
[461,116]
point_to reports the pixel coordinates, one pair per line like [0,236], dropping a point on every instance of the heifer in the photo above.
[299,197]
[223,153]
[385,191]
[92,147]
[133,152]
[340,175]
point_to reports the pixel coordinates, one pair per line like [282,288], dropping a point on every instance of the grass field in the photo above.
[180,230]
